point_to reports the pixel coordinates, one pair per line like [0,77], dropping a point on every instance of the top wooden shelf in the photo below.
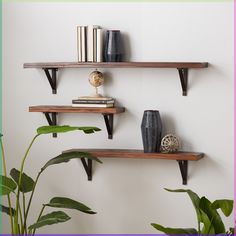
[51,68]
[51,65]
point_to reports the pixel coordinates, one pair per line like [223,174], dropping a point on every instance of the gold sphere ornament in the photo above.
[96,79]
[170,143]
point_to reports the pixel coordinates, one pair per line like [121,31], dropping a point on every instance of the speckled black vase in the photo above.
[113,51]
[151,129]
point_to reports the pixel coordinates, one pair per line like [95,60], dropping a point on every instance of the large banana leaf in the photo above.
[194,198]
[27,182]
[225,205]
[65,128]
[176,231]
[201,215]
[7,185]
[67,156]
[62,202]
[49,219]
[215,219]
[6,209]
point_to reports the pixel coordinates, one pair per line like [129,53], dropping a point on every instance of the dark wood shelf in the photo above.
[50,65]
[139,154]
[70,109]
[181,157]
[51,68]
[51,112]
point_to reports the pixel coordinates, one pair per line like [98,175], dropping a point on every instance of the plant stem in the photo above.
[5,173]
[19,183]
[21,218]
[30,200]
[41,212]
[25,226]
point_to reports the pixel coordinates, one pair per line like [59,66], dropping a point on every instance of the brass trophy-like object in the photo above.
[96,79]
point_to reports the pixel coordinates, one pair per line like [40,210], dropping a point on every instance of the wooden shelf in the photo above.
[51,113]
[50,65]
[181,157]
[51,68]
[70,109]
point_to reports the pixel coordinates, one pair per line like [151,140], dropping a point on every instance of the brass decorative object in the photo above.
[170,143]
[96,79]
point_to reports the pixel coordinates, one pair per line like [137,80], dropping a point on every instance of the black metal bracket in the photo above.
[183,166]
[109,124]
[183,74]
[52,78]
[52,120]
[88,167]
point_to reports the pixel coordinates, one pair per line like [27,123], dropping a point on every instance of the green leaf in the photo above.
[1,135]
[177,231]
[213,216]
[50,219]
[194,198]
[68,203]
[65,128]
[225,205]
[7,185]
[27,183]
[231,231]
[208,227]
[67,156]
[201,215]
[6,210]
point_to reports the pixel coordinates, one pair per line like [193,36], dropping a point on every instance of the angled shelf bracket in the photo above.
[87,167]
[109,124]
[183,75]
[52,120]
[183,166]
[52,78]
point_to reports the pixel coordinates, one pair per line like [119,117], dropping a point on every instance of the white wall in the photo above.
[127,194]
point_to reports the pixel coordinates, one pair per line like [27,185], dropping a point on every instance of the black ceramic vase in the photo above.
[151,129]
[113,51]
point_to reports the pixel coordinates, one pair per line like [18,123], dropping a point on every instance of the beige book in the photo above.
[93,105]
[95,98]
[79,44]
[90,42]
[83,44]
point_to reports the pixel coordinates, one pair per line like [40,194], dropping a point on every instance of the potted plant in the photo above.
[19,184]
[208,219]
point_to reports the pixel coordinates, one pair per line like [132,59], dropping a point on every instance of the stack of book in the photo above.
[90,43]
[102,102]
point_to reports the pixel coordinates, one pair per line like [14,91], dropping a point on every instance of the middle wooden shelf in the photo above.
[51,111]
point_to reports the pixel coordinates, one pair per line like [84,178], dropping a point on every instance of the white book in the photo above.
[99,47]
[95,44]
[90,42]
[83,44]
[79,45]
[93,105]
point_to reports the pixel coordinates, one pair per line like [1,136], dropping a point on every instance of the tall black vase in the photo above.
[113,51]
[151,129]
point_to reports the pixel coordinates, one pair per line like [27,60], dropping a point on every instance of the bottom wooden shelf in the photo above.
[181,157]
